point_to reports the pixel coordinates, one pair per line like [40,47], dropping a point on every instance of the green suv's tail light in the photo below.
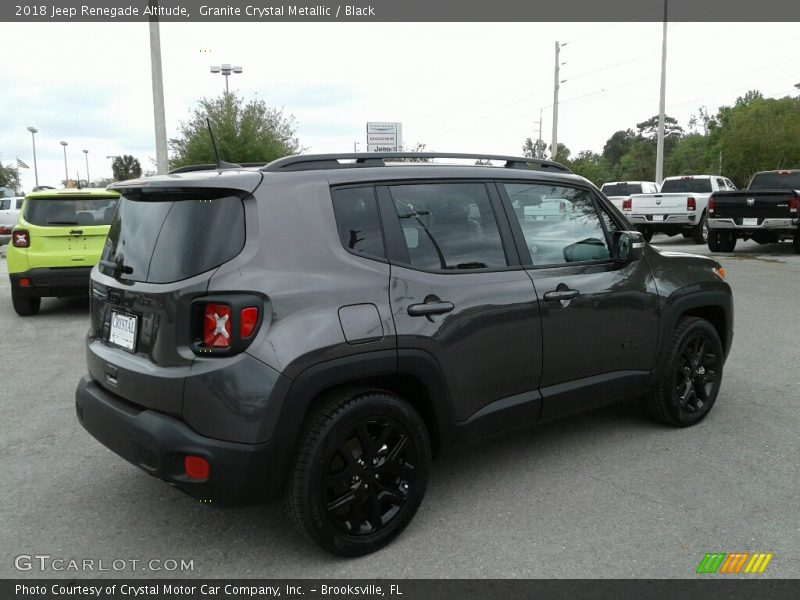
[217,326]
[20,238]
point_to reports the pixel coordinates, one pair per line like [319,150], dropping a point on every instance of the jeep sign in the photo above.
[384,136]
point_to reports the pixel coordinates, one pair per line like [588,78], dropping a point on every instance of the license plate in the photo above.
[123,331]
[658,217]
[750,222]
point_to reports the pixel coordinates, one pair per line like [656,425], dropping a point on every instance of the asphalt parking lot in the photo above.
[605,494]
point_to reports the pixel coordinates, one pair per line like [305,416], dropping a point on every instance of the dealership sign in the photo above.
[384,136]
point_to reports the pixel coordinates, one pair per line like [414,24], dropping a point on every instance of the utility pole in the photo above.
[86,154]
[160,118]
[34,131]
[661,103]
[556,83]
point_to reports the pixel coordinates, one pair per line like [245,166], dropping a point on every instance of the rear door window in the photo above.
[622,189]
[357,218]
[448,226]
[686,184]
[60,212]
[170,237]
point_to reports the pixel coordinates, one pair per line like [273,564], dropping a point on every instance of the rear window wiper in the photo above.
[117,268]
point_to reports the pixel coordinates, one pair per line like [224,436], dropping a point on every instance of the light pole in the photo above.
[556,86]
[86,153]
[66,170]
[157,79]
[34,131]
[661,102]
[226,70]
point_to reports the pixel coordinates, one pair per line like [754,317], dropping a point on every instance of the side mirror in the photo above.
[628,246]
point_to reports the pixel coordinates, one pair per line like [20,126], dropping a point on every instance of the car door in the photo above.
[459,294]
[599,317]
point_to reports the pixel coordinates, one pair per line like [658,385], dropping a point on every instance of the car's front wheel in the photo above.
[359,473]
[25,305]
[689,376]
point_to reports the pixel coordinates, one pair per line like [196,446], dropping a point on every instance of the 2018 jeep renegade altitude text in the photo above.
[320,327]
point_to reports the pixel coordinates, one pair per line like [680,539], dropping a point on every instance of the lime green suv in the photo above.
[55,244]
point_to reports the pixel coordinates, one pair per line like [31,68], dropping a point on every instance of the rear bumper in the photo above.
[680,220]
[67,281]
[766,224]
[157,444]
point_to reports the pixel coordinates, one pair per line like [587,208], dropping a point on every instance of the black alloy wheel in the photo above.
[689,375]
[696,373]
[371,470]
[360,471]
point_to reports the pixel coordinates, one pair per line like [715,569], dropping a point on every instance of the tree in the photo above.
[618,145]
[648,130]
[126,167]
[531,149]
[9,177]
[245,132]
[593,166]
[562,154]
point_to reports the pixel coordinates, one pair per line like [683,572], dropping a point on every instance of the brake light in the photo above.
[20,238]
[248,319]
[217,326]
[627,204]
[24,282]
[711,205]
[691,204]
[794,204]
[5,230]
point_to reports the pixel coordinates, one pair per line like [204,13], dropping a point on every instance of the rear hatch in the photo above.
[162,249]
[67,231]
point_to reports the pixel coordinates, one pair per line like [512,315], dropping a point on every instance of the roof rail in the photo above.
[308,162]
[212,167]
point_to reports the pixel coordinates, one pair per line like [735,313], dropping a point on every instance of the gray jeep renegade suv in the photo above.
[321,326]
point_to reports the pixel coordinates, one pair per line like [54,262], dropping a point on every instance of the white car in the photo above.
[9,215]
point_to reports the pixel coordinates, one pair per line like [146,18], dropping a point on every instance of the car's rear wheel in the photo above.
[689,376]
[25,305]
[700,231]
[359,473]
[796,241]
[720,240]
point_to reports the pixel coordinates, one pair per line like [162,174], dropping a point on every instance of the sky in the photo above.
[458,87]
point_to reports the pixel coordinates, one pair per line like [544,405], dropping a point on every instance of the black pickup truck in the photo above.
[767,211]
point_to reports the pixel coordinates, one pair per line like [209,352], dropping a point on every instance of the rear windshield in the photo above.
[776,181]
[168,238]
[56,212]
[622,189]
[689,184]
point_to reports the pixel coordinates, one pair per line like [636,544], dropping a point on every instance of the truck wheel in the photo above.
[24,304]
[359,473]
[700,231]
[796,241]
[713,240]
[727,241]
[689,376]
[646,232]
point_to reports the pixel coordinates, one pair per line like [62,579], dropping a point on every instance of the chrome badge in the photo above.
[751,201]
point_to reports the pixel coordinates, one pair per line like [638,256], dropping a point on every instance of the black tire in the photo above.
[796,241]
[24,304]
[700,231]
[713,240]
[357,439]
[689,375]
[727,241]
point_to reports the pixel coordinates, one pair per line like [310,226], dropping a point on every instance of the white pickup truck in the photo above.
[618,191]
[680,206]
[9,215]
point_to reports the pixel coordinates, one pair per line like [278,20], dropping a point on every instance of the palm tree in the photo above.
[126,167]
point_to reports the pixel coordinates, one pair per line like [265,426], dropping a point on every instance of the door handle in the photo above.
[561,295]
[430,308]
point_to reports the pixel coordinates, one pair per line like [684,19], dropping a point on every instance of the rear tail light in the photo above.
[794,204]
[711,205]
[217,326]
[225,324]
[627,204]
[691,204]
[24,282]
[20,238]
[5,230]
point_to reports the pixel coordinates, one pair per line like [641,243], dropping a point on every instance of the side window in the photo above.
[721,184]
[730,184]
[560,224]
[357,218]
[4,204]
[449,226]
[19,203]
